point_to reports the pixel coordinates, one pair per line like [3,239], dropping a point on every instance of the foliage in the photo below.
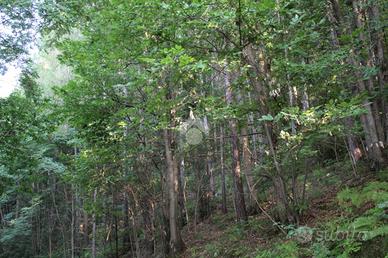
[376,192]
[282,250]
[362,226]
[93,158]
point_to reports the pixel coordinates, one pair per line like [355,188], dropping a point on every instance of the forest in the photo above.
[194,128]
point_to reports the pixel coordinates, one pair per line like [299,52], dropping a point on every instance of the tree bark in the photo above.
[94,232]
[147,214]
[223,183]
[72,223]
[360,25]
[371,122]
[247,168]
[184,218]
[380,64]
[209,159]
[286,213]
[239,201]
[334,15]
[368,119]
[85,229]
[176,242]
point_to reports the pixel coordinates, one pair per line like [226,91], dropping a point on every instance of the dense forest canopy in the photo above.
[194,128]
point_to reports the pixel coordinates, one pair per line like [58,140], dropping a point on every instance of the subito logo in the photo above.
[193,130]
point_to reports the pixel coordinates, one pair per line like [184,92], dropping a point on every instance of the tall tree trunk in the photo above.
[202,204]
[209,164]
[381,65]
[85,228]
[72,223]
[247,167]
[182,194]
[286,212]
[147,214]
[354,151]
[94,229]
[254,154]
[210,171]
[305,100]
[371,121]
[127,230]
[207,185]
[50,231]
[239,199]
[292,98]
[367,120]
[292,92]
[176,243]
[223,182]
[334,15]
[60,222]
[73,214]
[359,24]
[115,221]
[135,229]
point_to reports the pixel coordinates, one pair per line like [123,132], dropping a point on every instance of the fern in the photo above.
[364,223]
[376,192]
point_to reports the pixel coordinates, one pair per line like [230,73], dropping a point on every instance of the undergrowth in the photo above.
[360,230]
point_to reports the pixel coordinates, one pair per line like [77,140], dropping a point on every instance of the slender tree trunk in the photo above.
[247,167]
[61,223]
[17,204]
[134,232]
[176,243]
[198,195]
[126,235]
[359,23]
[50,231]
[214,159]
[94,232]
[284,210]
[334,16]
[147,211]
[115,221]
[73,214]
[223,182]
[72,223]
[210,172]
[305,100]
[209,160]
[85,228]
[354,151]
[381,65]
[291,92]
[201,208]
[182,194]
[368,119]
[239,200]
[286,213]
[254,154]
[368,123]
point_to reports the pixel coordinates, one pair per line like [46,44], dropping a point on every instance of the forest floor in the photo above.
[221,236]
